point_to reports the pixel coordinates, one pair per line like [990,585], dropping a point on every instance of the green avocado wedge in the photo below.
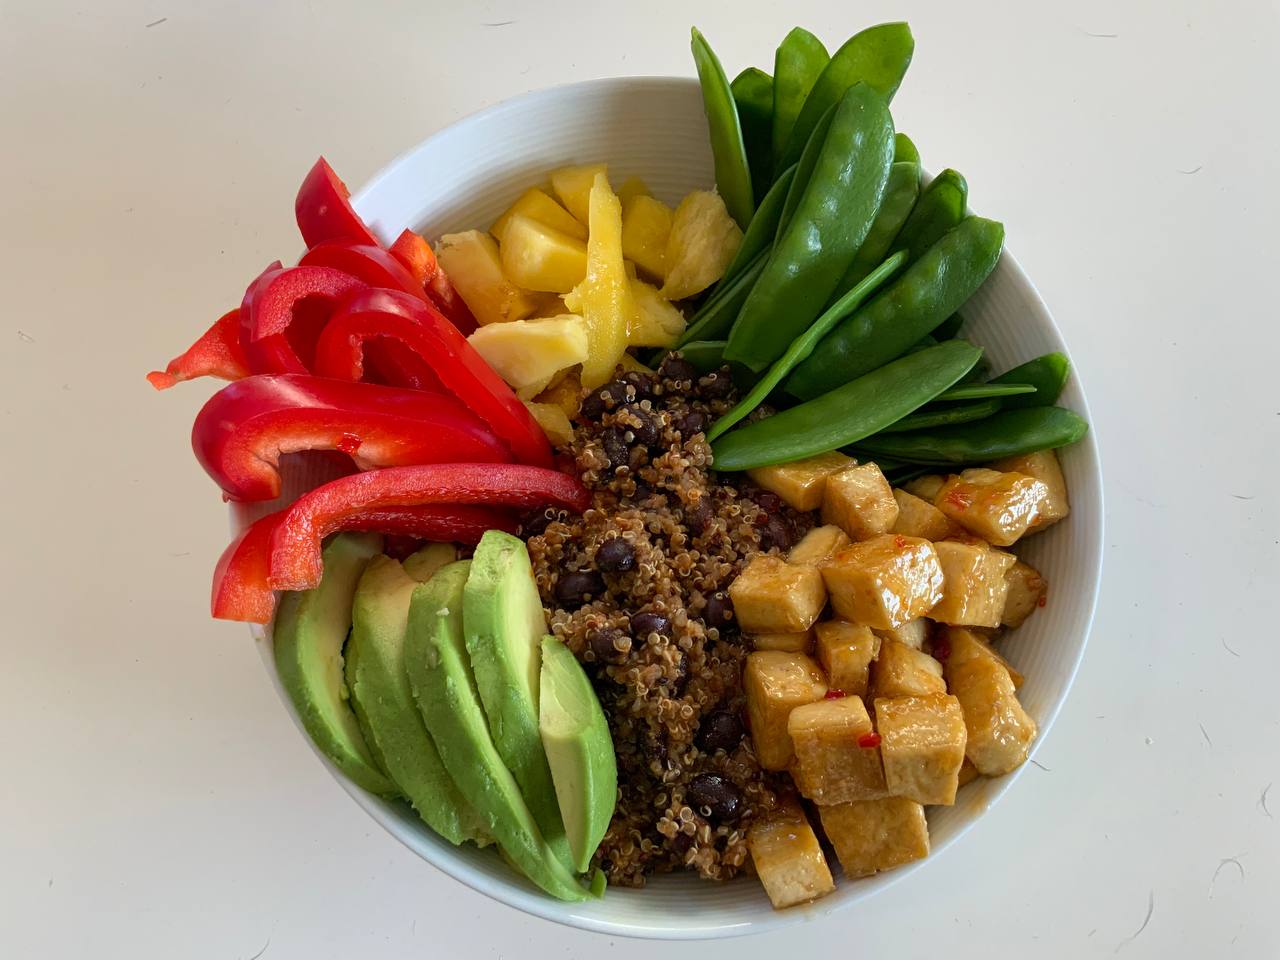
[384,702]
[311,628]
[440,675]
[579,749]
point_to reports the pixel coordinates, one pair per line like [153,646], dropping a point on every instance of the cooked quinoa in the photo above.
[636,586]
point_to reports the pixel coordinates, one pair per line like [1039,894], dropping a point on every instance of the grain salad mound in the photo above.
[636,587]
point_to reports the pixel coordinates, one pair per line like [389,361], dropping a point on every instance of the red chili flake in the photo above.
[834,695]
[1044,600]
[941,649]
[349,443]
[869,740]
[900,542]
[960,498]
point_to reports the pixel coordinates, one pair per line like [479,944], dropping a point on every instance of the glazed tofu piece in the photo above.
[874,835]
[773,596]
[845,651]
[1042,466]
[1026,590]
[900,671]
[800,483]
[920,518]
[922,746]
[860,502]
[968,772]
[974,588]
[837,759]
[819,545]
[913,633]
[964,645]
[999,731]
[998,507]
[776,682]
[793,642]
[885,581]
[787,856]
[926,487]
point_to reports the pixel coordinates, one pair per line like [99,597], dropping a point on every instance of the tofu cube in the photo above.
[773,596]
[964,645]
[885,581]
[787,856]
[1042,466]
[776,682]
[913,633]
[922,746]
[900,671]
[831,764]
[845,651]
[999,731]
[1026,589]
[874,835]
[860,502]
[819,545]
[920,518]
[793,642]
[968,772]
[926,487]
[800,483]
[974,588]
[998,507]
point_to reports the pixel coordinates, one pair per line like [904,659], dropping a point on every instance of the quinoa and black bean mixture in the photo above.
[637,588]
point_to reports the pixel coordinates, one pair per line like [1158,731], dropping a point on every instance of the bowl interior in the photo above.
[464,177]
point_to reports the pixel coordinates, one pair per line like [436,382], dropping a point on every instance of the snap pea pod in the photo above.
[985,391]
[803,345]
[705,355]
[944,416]
[940,208]
[897,477]
[1008,433]
[733,174]
[829,224]
[878,56]
[798,63]
[900,195]
[922,296]
[759,234]
[949,327]
[849,413]
[804,172]
[753,95]
[716,317]
[904,149]
[1048,374]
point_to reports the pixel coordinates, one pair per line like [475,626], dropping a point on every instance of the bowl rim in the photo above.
[528,899]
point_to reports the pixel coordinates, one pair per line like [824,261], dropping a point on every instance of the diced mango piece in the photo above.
[925,487]
[922,746]
[787,856]
[832,765]
[773,596]
[974,588]
[859,500]
[845,651]
[998,507]
[631,188]
[793,642]
[630,364]
[472,262]
[885,581]
[549,305]
[703,240]
[801,483]
[525,352]
[573,186]
[968,772]
[565,394]
[538,205]
[646,227]
[913,633]
[659,322]
[776,682]
[1026,589]
[900,671]
[920,518]
[1042,466]
[819,545]
[963,645]
[874,835]
[553,422]
[538,257]
[1000,732]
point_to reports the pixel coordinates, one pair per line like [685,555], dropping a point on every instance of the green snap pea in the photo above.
[753,95]
[878,56]
[900,195]
[904,149]
[803,345]
[799,62]
[944,416]
[705,355]
[1048,374]
[733,174]
[897,477]
[1009,433]
[940,208]
[922,296]
[828,226]
[949,327]
[759,234]
[804,168]
[715,318]
[985,391]
[849,413]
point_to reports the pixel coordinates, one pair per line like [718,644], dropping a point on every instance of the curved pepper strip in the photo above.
[419,326]
[270,354]
[240,588]
[324,212]
[296,562]
[284,310]
[216,354]
[416,256]
[241,432]
[419,259]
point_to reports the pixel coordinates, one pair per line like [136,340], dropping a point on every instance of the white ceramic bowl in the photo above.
[464,177]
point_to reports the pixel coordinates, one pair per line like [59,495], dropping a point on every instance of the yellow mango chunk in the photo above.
[659,321]
[472,262]
[553,422]
[631,188]
[565,394]
[539,205]
[703,240]
[538,257]
[527,352]
[646,227]
[573,186]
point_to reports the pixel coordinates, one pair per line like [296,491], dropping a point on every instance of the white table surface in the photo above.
[155,801]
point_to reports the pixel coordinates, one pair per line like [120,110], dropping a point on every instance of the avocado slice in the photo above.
[311,628]
[440,674]
[504,623]
[579,750]
[384,702]
[423,564]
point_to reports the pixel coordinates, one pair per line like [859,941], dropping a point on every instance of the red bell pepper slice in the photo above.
[274,354]
[296,561]
[373,265]
[240,434]
[324,212]
[240,588]
[383,313]
[216,354]
[416,255]
[284,310]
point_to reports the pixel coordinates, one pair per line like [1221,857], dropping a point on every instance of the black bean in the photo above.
[576,588]
[642,383]
[615,556]
[691,423]
[775,532]
[716,386]
[697,516]
[605,398]
[720,730]
[718,612]
[714,796]
[644,428]
[677,369]
[766,500]
[681,843]
[643,490]
[643,624]
[615,446]
[605,642]
[537,522]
